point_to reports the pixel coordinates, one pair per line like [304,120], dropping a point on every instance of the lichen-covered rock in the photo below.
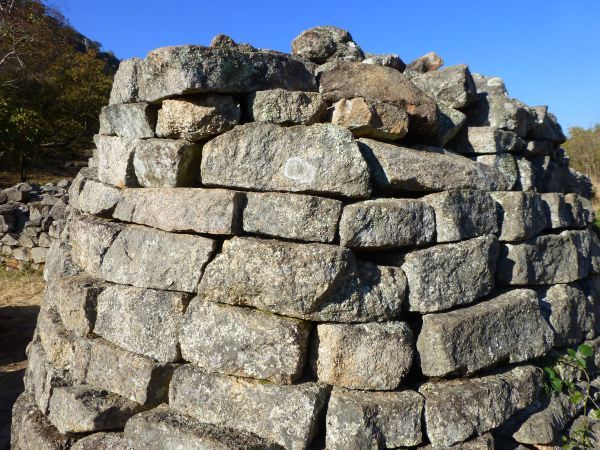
[453,86]
[509,327]
[403,169]
[388,60]
[558,211]
[486,140]
[426,63]
[361,419]
[143,321]
[197,118]
[328,283]
[115,160]
[125,87]
[197,210]
[286,107]
[58,343]
[544,126]
[287,415]
[554,258]
[449,275]
[371,118]
[462,214]
[130,120]
[166,162]
[291,216]
[94,197]
[351,80]
[320,158]
[456,410]
[102,441]
[522,215]
[321,44]
[581,209]
[387,223]
[450,122]
[374,356]
[244,342]
[505,163]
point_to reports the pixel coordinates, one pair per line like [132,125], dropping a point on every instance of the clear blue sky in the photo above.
[547,51]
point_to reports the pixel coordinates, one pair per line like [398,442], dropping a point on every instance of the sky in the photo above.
[547,51]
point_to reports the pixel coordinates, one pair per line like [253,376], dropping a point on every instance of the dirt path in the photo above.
[20,297]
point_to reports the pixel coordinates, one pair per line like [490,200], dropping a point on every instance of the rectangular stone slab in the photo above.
[207,211]
[143,321]
[130,120]
[114,159]
[363,419]
[486,140]
[292,216]
[522,215]
[288,415]
[244,342]
[509,327]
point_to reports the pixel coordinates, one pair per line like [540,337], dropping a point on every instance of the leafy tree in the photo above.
[583,147]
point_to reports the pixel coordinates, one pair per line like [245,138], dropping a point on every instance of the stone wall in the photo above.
[31,217]
[324,249]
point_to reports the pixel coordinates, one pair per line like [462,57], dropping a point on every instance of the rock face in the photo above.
[330,249]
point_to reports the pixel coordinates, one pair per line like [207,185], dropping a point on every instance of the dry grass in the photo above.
[38,176]
[20,288]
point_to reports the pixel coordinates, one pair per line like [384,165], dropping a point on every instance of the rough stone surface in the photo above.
[456,410]
[143,321]
[197,118]
[287,415]
[321,44]
[396,168]
[374,356]
[560,258]
[96,198]
[450,122]
[58,344]
[522,215]
[486,140]
[370,118]
[453,86]
[462,214]
[449,275]
[197,210]
[320,158]
[130,120]
[545,126]
[42,377]
[582,210]
[161,429]
[115,160]
[286,107]
[292,216]
[505,163]
[357,419]
[387,223]
[166,162]
[426,63]
[125,88]
[388,60]
[244,342]
[101,441]
[328,284]
[509,327]
[558,211]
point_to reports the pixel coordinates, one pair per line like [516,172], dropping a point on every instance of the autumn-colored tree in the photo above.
[583,148]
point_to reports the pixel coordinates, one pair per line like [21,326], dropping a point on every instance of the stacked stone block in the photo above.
[322,250]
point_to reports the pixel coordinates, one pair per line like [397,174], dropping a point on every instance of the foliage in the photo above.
[583,148]
[579,393]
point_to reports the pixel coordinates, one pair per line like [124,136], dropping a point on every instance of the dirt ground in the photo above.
[38,176]
[20,297]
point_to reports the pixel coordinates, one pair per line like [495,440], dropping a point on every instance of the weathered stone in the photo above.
[371,118]
[130,375]
[320,158]
[484,442]
[321,44]
[286,107]
[558,212]
[328,283]
[537,148]
[38,255]
[582,210]
[505,163]
[387,223]
[125,88]
[115,160]
[450,122]
[463,214]
[97,198]
[527,177]
[59,261]
[453,86]
[79,409]
[357,419]
[288,415]
[456,410]
[395,168]
[426,63]
[292,216]
[508,327]
[545,126]
[75,300]
[486,140]
[550,259]
[594,253]
[197,118]
[449,275]
[166,162]
[102,441]
[162,428]
[569,314]
[57,342]
[388,60]
[31,430]
[210,211]
[132,120]
[350,80]
[522,215]
[193,69]
[375,356]
[128,254]
[143,321]
[244,342]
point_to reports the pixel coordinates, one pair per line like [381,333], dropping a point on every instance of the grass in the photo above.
[20,287]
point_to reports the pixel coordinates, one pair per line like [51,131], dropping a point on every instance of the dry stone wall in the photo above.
[328,249]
